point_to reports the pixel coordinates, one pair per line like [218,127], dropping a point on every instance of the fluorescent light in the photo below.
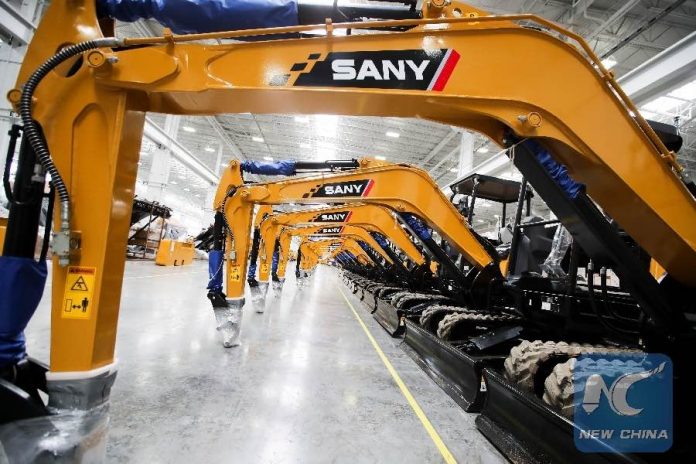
[392,134]
[210,149]
[648,114]
[497,216]
[257,139]
[173,182]
[189,129]
[198,194]
[609,62]
[454,170]
[685,92]
[186,189]
[662,104]
[482,150]
[182,177]
[479,220]
[380,157]
[302,119]
[268,158]
[326,124]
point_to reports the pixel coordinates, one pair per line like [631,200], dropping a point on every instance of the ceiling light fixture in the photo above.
[392,134]
[189,129]
[609,62]
[186,189]
[380,157]
[268,158]
[210,149]
[326,124]
[482,150]
[454,170]
[173,182]
[257,139]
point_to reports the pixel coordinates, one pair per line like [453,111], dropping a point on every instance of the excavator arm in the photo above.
[401,188]
[378,217]
[358,233]
[573,108]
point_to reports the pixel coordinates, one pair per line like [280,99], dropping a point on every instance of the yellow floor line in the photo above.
[446,454]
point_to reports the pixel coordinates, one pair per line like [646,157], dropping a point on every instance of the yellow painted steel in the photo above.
[401,188]
[380,218]
[559,93]
[174,253]
[347,230]
[3,229]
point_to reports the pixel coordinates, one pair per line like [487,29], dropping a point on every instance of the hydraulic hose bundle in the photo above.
[33,134]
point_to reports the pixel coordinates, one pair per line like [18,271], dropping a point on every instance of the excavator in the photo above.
[569,128]
[414,270]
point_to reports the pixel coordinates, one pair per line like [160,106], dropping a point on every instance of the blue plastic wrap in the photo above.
[269,168]
[215,263]
[274,262]
[22,282]
[556,170]
[423,232]
[251,272]
[194,16]
[380,240]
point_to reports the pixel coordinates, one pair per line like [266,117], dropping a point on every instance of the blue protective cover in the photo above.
[251,273]
[274,262]
[556,170]
[423,232]
[269,168]
[194,16]
[215,259]
[22,282]
[380,240]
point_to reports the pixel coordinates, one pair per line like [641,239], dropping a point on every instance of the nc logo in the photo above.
[616,394]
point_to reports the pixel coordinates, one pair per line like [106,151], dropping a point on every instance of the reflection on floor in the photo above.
[306,386]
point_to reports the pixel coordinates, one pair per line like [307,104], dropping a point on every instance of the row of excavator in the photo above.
[499,323]
[510,326]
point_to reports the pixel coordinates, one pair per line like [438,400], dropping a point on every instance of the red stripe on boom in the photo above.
[350,213]
[368,188]
[446,71]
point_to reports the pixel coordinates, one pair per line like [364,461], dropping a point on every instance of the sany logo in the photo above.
[330,230]
[616,395]
[354,188]
[416,69]
[338,216]
[345,70]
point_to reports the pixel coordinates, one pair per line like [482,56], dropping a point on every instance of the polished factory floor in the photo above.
[306,386]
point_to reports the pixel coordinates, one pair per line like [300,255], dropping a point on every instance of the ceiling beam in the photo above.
[662,73]
[15,24]
[438,147]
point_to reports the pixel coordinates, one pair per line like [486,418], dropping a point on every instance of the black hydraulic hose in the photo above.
[48,223]
[595,309]
[14,135]
[31,130]
[605,298]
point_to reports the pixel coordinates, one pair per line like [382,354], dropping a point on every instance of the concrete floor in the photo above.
[306,386]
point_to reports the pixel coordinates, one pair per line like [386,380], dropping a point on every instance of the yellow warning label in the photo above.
[235,274]
[79,292]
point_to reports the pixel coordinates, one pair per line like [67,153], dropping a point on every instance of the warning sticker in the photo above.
[79,292]
[235,274]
